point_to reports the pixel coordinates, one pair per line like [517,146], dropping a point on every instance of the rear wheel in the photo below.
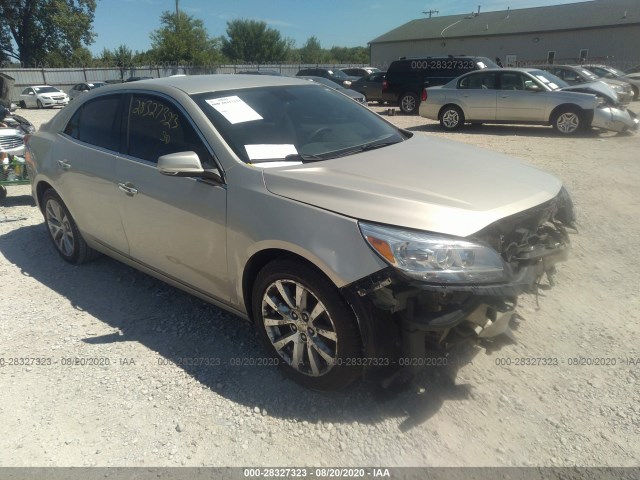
[409,103]
[568,121]
[451,118]
[306,325]
[63,231]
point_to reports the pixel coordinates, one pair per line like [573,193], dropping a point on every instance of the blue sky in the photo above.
[347,23]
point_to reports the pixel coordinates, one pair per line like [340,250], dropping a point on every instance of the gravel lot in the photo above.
[141,410]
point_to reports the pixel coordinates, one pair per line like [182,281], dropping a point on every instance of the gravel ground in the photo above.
[142,410]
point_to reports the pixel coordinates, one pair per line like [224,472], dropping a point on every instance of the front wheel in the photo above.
[22,104]
[39,104]
[409,103]
[568,121]
[451,118]
[306,325]
[63,231]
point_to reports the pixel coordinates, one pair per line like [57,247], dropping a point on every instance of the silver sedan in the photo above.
[511,95]
[348,242]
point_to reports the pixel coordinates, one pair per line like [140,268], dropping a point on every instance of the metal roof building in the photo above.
[596,31]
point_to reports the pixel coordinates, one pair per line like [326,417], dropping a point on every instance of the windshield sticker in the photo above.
[542,79]
[482,65]
[269,151]
[234,109]
[554,86]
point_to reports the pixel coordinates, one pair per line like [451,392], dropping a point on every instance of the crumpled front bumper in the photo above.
[615,119]
[403,318]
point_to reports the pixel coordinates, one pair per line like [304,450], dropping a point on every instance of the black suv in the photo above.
[407,77]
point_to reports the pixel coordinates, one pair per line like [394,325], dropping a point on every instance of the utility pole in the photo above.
[177,17]
[430,12]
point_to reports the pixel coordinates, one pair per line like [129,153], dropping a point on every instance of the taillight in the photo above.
[424,94]
[385,85]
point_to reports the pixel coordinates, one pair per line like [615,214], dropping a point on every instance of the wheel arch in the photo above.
[374,326]
[566,106]
[259,260]
[42,187]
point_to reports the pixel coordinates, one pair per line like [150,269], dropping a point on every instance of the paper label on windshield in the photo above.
[234,109]
[269,151]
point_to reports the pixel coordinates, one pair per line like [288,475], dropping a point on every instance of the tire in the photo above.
[63,230]
[451,118]
[3,192]
[568,121]
[39,104]
[636,93]
[295,303]
[409,103]
[22,104]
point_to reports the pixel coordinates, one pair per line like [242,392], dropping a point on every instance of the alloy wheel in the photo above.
[299,328]
[451,118]
[568,122]
[60,228]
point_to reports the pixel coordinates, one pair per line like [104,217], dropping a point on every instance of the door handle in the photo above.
[128,188]
[64,164]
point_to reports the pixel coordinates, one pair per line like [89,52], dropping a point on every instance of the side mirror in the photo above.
[184,164]
[532,87]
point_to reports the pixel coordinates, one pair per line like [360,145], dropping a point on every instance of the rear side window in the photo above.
[479,81]
[157,127]
[97,123]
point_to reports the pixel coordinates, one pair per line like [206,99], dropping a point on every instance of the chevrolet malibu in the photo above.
[348,242]
[525,96]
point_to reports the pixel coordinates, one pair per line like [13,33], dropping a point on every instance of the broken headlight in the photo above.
[435,258]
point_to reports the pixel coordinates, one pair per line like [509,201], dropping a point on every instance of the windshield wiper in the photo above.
[303,157]
[374,145]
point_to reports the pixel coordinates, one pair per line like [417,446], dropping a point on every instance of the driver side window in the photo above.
[157,127]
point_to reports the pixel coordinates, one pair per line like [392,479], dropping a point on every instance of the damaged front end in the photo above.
[404,311]
[610,114]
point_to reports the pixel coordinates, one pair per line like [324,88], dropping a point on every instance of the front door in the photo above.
[516,103]
[174,225]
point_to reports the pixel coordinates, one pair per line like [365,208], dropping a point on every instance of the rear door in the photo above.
[477,95]
[174,225]
[86,157]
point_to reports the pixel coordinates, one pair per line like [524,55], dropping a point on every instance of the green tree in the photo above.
[312,52]
[252,41]
[183,39]
[41,28]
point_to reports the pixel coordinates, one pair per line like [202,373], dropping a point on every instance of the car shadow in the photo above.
[222,351]
[17,200]
[505,130]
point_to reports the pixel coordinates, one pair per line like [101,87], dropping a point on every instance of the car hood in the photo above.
[422,183]
[596,87]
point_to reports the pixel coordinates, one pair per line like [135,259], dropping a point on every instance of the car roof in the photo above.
[193,84]
[506,69]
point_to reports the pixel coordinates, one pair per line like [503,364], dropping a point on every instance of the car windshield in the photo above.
[588,74]
[616,72]
[325,81]
[549,79]
[337,74]
[96,85]
[296,123]
[46,90]
[484,62]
